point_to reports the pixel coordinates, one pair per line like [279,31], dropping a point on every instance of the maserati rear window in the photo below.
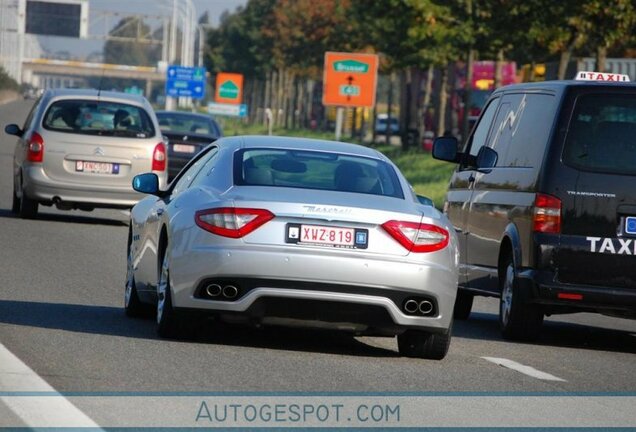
[309,169]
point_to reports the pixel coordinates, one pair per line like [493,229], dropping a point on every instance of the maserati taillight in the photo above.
[231,221]
[417,237]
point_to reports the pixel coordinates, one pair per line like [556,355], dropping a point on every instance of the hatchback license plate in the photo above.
[183,148]
[630,225]
[339,237]
[96,167]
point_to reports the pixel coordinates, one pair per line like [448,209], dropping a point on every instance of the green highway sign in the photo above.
[228,90]
[349,90]
[352,66]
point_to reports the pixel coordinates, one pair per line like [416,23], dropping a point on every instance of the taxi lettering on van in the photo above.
[601,76]
[612,246]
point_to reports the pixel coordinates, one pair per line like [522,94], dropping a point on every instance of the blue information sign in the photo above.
[184,81]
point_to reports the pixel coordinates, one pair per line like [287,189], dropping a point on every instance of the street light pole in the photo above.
[170,102]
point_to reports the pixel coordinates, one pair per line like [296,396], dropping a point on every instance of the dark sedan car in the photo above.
[187,134]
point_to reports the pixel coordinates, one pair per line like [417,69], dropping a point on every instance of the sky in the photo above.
[148,7]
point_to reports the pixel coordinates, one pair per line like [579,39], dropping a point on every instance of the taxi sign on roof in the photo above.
[600,76]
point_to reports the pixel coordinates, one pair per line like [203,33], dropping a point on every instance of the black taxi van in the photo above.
[544,201]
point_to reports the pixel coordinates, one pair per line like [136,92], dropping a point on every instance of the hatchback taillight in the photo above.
[159,157]
[547,214]
[417,237]
[35,148]
[232,222]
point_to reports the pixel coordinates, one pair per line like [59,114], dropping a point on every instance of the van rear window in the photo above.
[602,134]
[92,117]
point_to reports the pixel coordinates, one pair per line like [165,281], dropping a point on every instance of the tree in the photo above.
[6,82]
[555,28]
[606,24]
[239,44]
[127,52]
[305,29]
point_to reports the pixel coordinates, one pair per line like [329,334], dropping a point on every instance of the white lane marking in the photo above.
[527,370]
[36,411]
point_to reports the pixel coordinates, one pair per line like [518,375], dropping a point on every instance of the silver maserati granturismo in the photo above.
[269,230]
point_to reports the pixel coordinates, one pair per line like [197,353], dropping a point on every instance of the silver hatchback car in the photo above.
[80,149]
[295,232]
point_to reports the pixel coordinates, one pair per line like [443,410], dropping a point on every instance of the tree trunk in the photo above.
[374,117]
[291,98]
[389,109]
[443,99]
[499,68]
[288,98]
[531,72]
[274,104]
[563,62]
[267,103]
[280,101]
[364,112]
[601,59]
[428,91]
[452,122]
[468,89]
[300,103]
[408,103]
[310,106]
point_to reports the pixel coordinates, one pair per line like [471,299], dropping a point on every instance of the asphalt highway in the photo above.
[61,314]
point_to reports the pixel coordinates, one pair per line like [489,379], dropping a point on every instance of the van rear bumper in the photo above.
[559,297]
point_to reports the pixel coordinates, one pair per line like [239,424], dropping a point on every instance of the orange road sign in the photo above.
[229,88]
[350,79]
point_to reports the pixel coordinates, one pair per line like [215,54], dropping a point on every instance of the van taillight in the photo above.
[35,148]
[547,214]
[159,157]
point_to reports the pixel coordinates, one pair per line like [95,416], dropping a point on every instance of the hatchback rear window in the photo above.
[308,169]
[602,134]
[98,118]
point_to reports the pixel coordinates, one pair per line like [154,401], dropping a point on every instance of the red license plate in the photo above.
[96,167]
[334,236]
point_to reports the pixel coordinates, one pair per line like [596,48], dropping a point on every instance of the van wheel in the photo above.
[421,344]
[463,305]
[518,319]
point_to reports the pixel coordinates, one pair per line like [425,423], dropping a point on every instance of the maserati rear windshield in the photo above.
[91,117]
[309,169]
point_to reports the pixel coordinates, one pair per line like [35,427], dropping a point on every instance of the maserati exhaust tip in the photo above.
[410,306]
[230,291]
[425,307]
[213,290]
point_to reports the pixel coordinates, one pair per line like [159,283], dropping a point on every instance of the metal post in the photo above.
[170,102]
[339,121]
